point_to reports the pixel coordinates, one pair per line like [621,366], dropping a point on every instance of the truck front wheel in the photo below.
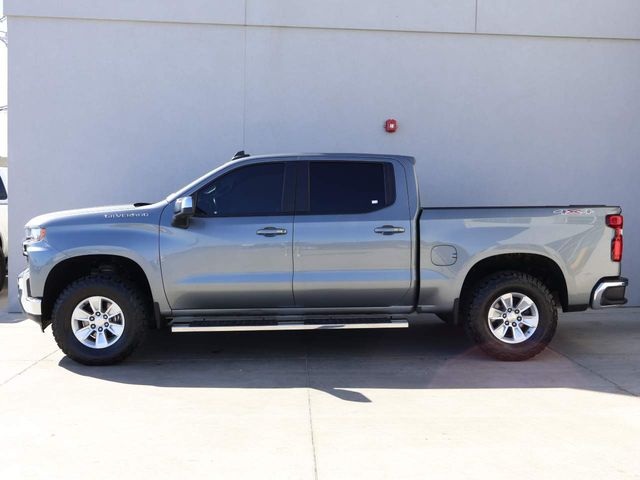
[511,316]
[99,320]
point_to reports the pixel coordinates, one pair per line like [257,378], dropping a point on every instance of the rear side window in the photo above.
[246,191]
[350,187]
[3,191]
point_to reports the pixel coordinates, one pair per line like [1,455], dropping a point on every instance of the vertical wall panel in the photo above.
[116,112]
[492,120]
[417,15]
[563,18]
[184,11]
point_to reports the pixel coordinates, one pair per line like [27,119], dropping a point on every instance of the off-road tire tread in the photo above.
[472,309]
[133,295]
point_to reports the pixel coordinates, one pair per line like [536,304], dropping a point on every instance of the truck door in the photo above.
[236,252]
[352,240]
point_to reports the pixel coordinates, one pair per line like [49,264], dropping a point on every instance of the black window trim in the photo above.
[303,190]
[288,191]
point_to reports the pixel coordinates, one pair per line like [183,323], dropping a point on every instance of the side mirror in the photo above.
[183,210]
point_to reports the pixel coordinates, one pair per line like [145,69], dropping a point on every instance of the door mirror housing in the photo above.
[183,210]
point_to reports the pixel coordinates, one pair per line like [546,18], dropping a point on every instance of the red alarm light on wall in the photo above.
[391,125]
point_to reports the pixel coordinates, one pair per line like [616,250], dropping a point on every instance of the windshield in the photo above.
[195,183]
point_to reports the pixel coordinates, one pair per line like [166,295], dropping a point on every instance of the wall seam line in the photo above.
[349,29]
[476,24]
[244,81]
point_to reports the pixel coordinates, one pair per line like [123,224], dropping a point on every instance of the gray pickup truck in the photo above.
[327,241]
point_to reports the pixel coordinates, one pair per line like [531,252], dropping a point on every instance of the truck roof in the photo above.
[333,156]
[242,157]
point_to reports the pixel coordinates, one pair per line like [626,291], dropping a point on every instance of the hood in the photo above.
[108,214]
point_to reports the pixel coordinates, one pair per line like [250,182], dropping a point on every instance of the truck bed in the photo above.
[455,239]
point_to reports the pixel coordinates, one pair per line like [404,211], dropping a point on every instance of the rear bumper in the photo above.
[30,305]
[609,292]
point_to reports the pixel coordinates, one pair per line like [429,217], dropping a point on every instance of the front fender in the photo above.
[137,242]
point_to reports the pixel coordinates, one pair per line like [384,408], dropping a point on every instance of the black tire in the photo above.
[130,301]
[479,301]
[3,269]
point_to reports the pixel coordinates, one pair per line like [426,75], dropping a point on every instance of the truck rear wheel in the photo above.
[99,320]
[511,316]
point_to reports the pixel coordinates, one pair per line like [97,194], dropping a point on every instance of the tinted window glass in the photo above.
[349,187]
[252,190]
[3,191]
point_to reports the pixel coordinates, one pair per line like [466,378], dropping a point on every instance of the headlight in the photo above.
[35,234]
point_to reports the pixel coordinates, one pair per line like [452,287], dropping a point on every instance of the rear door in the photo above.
[352,240]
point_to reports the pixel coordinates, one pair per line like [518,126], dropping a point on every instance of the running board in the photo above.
[273,325]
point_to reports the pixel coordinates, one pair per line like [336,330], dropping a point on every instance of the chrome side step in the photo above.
[262,325]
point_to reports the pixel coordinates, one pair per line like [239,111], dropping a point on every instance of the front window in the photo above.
[246,191]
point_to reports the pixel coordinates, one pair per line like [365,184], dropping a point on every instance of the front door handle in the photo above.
[271,231]
[388,230]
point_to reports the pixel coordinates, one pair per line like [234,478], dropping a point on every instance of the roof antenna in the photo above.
[240,154]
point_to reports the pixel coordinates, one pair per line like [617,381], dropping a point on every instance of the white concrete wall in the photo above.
[126,100]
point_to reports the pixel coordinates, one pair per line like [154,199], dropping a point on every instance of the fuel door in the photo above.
[444,255]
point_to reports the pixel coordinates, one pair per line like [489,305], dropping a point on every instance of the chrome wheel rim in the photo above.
[97,322]
[513,317]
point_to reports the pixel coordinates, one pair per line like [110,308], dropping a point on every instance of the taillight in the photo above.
[616,222]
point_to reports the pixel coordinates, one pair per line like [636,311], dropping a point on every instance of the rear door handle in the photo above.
[388,230]
[271,231]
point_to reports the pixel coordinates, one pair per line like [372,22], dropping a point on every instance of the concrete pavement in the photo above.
[415,403]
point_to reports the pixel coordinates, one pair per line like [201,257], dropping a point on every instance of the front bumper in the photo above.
[30,305]
[609,292]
